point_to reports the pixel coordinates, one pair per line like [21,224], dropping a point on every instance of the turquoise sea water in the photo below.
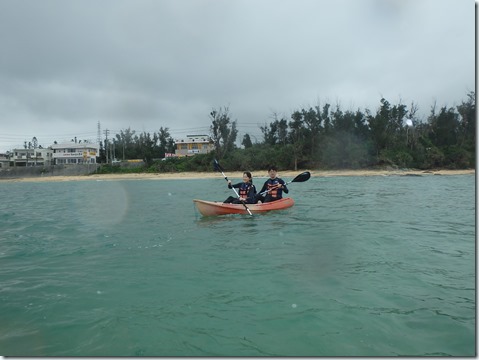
[360,266]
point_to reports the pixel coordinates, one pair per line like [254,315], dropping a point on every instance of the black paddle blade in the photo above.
[302,177]
[217,165]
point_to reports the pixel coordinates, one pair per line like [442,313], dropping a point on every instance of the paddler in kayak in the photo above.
[274,187]
[246,191]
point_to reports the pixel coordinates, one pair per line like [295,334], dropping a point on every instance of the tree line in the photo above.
[323,137]
[128,145]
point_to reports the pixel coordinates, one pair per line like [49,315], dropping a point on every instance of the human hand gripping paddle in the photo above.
[218,167]
[304,176]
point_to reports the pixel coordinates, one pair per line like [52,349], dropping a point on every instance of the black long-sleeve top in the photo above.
[246,190]
[272,184]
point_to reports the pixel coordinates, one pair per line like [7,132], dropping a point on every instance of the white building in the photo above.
[75,153]
[31,157]
[193,144]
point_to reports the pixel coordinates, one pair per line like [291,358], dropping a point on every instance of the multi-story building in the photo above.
[193,144]
[4,160]
[31,157]
[74,153]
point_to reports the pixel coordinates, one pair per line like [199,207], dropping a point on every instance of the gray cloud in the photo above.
[143,64]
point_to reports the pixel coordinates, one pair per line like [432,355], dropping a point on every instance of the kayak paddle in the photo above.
[218,167]
[304,176]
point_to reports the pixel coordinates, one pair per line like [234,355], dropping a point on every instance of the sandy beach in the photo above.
[286,175]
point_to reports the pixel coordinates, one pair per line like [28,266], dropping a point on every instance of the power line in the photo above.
[17,140]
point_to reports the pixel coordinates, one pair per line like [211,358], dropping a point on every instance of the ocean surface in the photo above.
[360,266]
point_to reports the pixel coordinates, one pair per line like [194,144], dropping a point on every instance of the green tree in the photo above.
[146,147]
[166,142]
[346,145]
[467,128]
[325,119]
[223,132]
[270,133]
[444,127]
[275,132]
[247,143]
[102,154]
[125,143]
[385,126]
[312,129]
[345,151]
[297,137]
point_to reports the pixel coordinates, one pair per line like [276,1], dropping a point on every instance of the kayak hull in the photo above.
[215,208]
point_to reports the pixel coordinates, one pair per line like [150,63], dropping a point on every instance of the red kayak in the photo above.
[214,208]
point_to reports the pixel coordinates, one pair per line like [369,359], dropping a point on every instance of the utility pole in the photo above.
[106,131]
[35,145]
[98,139]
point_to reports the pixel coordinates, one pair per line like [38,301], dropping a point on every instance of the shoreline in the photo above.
[286,175]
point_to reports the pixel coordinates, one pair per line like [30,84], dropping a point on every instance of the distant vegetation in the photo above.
[323,137]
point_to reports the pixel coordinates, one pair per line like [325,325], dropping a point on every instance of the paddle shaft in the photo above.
[226,178]
[277,186]
[300,178]
[237,195]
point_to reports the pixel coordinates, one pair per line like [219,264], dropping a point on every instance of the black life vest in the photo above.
[244,189]
[273,188]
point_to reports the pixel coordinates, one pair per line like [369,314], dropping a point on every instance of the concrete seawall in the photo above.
[52,170]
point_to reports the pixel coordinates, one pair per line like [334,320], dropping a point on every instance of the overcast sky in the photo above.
[65,65]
